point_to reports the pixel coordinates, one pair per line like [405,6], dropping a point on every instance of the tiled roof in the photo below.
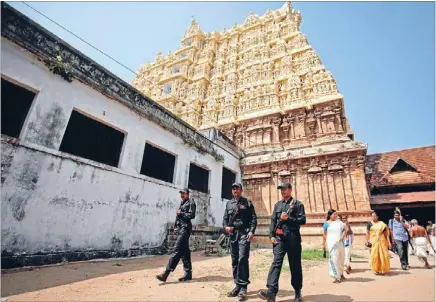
[427,196]
[423,159]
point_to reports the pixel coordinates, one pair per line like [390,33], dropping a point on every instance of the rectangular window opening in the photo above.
[88,138]
[228,179]
[198,179]
[15,106]
[158,164]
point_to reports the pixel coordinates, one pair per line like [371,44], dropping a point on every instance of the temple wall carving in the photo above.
[320,186]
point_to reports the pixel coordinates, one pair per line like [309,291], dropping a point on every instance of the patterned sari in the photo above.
[379,238]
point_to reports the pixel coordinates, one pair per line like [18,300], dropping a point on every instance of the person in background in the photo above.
[348,242]
[334,235]
[400,237]
[377,237]
[419,236]
[431,230]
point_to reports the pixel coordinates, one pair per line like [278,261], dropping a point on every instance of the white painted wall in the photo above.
[55,201]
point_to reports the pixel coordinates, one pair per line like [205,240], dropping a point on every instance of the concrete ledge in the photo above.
[9,260]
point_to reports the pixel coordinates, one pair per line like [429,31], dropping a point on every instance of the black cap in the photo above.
[237,184]
[284,185]
[186,190]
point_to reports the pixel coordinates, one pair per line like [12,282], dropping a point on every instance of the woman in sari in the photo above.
[334,234]
[348,242]
[377,237]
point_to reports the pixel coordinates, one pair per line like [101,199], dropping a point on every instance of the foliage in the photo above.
[57,66]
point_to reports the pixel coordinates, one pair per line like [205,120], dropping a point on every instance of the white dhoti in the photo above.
[420,244]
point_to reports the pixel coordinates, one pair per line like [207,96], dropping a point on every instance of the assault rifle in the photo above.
[280,222]
[233,218]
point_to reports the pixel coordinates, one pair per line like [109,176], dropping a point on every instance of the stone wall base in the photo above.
[198,238]
[9,261]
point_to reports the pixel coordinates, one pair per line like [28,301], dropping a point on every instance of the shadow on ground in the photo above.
[34,279]
[281,294]
[202,279]
[358,279]
[324,298]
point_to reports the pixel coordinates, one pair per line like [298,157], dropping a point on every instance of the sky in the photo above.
[382,54]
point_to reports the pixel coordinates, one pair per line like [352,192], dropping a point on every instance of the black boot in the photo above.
[234,292]
[267,295]
[242,296]
[163,277]
[186,277]
[298,297]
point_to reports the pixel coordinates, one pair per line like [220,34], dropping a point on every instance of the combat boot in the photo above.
[163,277]
[242,296]
[234,292]
[267,295]
[186,277]
[298,297]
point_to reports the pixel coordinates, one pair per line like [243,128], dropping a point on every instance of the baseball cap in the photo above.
[284,185]
[237,184]
[185,190]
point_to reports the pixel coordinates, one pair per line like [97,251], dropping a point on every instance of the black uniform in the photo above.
[183,228]
[240,215]
[287,243]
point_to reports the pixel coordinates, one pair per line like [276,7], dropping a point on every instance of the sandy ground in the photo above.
[134,280]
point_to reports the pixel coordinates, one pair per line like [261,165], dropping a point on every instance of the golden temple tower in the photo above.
[264,86]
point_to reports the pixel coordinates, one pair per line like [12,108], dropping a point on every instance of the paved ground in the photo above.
[133,280]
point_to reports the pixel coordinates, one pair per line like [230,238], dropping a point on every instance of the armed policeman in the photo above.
[183,229]
[240,221]
[287,217]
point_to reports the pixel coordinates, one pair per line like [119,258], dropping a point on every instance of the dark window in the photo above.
[15,105]
[229,178]
[158,164]
[198,179]
[93,140]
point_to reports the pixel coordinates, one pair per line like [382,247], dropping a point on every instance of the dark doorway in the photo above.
[93,140]
[228,179]
[198,179]
[158,164]
[15,105]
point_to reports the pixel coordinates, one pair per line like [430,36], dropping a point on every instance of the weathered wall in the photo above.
[52,201]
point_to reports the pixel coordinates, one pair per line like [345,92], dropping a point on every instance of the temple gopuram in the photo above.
[263,86]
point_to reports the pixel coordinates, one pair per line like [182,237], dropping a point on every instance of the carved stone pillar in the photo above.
[318,120]
[276,131]
[339,120]
[259,137]
[285,128]
[300,128]
[267,136]
[249,141]
[311,124]
[331,124]
[291,127]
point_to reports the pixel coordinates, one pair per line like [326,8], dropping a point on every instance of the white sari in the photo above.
[335,248]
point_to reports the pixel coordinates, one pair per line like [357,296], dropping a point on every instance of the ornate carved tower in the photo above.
[263,85]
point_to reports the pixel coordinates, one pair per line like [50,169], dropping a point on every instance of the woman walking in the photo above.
[377,237]
[334,234]
[348,242]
